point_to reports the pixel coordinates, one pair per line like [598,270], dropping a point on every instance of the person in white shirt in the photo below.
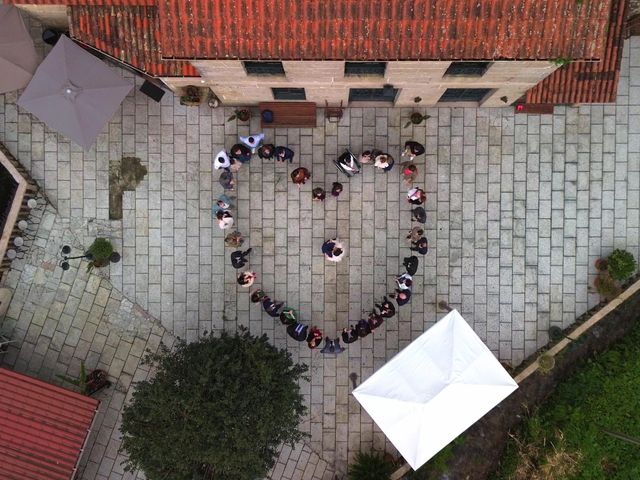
[404,281]
[225,219]
[253,141]
[221,160]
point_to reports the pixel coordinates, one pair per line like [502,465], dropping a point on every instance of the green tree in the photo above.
[216,408]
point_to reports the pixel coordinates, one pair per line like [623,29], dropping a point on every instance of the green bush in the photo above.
[370,466]
[101,250]
[621,265]
[601,396]
[434,468]
[219,406]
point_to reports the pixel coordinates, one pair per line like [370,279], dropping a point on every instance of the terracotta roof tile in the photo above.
[128,33]
[42,428]
[84,2]
[587,82]
[383,29]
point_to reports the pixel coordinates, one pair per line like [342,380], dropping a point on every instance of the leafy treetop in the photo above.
[217,408]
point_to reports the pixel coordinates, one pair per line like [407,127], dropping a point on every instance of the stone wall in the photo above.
[325,80]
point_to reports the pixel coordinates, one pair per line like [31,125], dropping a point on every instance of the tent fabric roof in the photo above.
[434,389]
[42,428]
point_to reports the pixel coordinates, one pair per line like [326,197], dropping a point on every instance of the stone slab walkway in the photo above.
[519,207]
[62,318]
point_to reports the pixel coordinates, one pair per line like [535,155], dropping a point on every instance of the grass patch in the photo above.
[564,437]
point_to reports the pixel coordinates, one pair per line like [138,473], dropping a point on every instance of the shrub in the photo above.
[218,407]
[546,363]
[606,286]
[621,265]
[100,250]
[370,466]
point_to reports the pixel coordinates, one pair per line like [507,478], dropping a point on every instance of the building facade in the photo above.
[359,52]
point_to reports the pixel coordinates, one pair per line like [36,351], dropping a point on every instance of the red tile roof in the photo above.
[128,33]
[383,29]
[587,82]
[83,2]
[42,428]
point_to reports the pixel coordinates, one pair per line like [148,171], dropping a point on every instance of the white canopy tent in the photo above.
[435,389]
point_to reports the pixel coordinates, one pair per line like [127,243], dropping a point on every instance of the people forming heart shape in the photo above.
[332,249]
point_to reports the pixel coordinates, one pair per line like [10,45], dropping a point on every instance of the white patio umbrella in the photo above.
[74,93]
[434,389]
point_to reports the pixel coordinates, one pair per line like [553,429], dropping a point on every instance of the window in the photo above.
[289,94]
[365,68]
[264,68]
[464,94]
[467,69]
[372,94]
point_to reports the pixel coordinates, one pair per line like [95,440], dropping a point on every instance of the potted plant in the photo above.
[191,96]
[88,384]
[621,265]
[416,118]
[241,114]
[100,253]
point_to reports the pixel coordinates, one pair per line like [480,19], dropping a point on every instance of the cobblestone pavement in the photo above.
[518,208]
[60,318]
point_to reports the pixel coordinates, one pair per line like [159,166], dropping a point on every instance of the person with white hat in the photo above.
[221,160]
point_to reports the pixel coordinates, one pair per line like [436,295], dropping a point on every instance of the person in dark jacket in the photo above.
[412,149]
[349,335]
[386,308]
[411,264]
[336,189]
[419,215]
[363,329]
[227,181]
[319,194]
[272,308]
[239,258]
[267,152]
[297,331]
[257,296]
[283,154]
[402,296]
[332,346]
[241,152]
[421,246]
[375,320]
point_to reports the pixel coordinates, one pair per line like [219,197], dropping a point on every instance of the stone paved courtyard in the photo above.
[519,207]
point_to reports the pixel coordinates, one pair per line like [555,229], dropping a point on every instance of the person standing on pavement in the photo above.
[238,258]
[333,250]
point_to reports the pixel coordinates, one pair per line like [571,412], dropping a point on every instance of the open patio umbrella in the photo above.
[74,93]
[18,56]
[434,389]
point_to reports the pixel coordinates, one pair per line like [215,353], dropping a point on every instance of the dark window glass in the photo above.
[264,68]
[468,69]
[289,94]
[365,68]
[372,94]
[464,94]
